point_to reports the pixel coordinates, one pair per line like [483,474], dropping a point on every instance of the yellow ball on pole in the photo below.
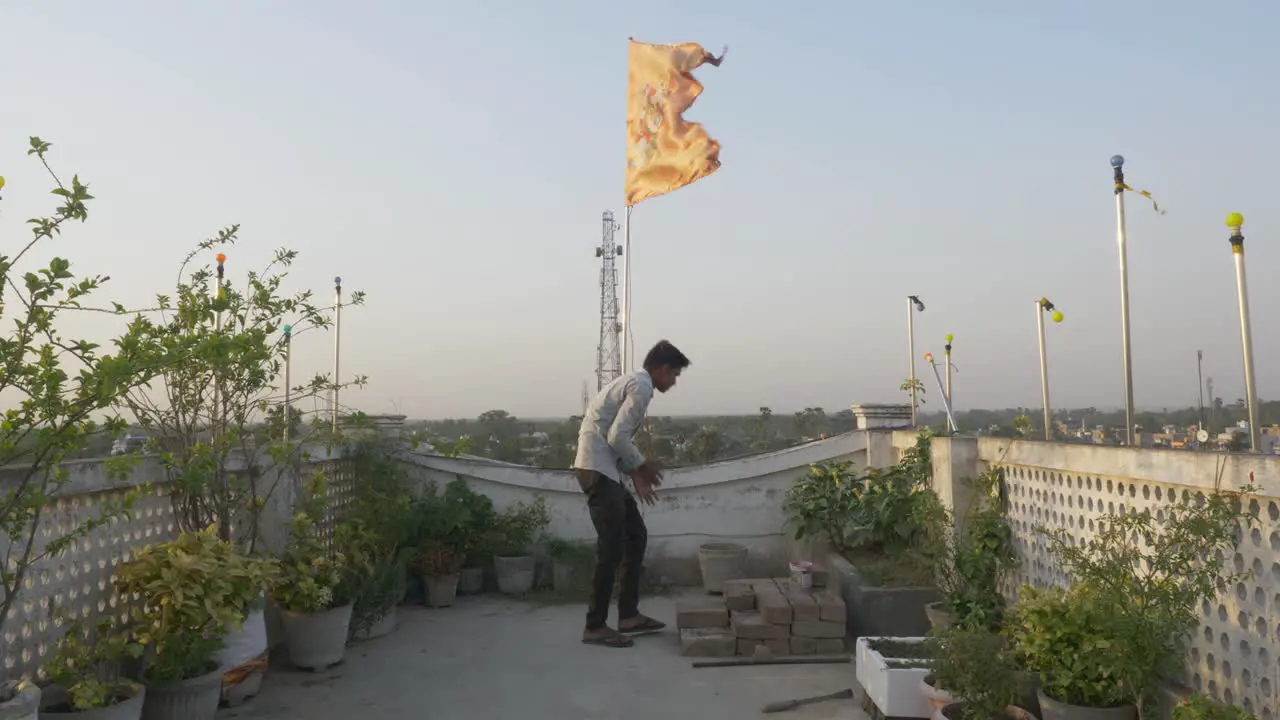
[1235,220]
[1057,316]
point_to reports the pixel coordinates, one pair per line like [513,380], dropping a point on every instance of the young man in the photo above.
[606,453]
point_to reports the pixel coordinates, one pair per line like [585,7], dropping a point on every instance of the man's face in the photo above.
[664,378]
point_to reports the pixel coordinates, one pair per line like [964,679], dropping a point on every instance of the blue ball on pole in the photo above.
[1117,161]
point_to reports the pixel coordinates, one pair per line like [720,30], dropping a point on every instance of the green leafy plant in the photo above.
[516,528]
[56,385]
[437,559]
[191,591]
[971,561]
[477,517]
[1138,586]
[86,664]
[1201,707]
[222,351]
[574,552]
[377,534]
[976,666]
[315,575]
[889,513]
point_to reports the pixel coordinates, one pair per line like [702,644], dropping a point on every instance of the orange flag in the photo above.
[665,153]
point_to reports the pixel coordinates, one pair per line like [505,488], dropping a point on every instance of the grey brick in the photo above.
[707,642]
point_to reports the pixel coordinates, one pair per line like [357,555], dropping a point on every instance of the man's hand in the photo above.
[646,478]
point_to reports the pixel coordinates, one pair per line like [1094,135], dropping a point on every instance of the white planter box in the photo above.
[895,689]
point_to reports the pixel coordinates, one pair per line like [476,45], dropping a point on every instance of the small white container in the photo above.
[801,575]
[893,688]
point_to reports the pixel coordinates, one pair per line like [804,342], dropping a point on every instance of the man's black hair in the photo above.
[664,353]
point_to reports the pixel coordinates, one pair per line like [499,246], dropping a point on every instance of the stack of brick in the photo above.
[763,612]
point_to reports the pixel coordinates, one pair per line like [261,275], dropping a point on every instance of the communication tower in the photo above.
[608,351]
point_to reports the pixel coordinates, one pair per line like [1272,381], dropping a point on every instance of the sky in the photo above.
[453,160]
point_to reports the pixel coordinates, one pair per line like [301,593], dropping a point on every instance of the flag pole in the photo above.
[1235,221]
[626,292]
[337,343]
[1117,165]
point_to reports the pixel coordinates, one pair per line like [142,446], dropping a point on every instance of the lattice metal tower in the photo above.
[609,350]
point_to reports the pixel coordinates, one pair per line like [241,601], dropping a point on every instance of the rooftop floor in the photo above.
[491,657]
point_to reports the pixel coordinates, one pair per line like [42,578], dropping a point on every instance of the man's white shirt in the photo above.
[606,440]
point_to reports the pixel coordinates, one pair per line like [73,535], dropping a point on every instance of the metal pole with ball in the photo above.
[1117,165]
[1044,306]
[913,306]
[949,337]
[1235,221]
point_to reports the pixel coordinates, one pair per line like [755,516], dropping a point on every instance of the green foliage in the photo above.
[890,511]
[452,448]
[190,591]
[315,575]
[222,354]
[377,533]
[977,667]
[86,663]
[457,525]
[970,563]
[515,528]
[1139,584]
[1201,707]
[574,552]
[55,385]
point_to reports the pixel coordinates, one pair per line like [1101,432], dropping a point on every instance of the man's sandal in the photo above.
[647,625]
[609,639]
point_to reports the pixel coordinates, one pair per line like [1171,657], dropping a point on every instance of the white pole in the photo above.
[949,337]
[1117,163]
[946,403]
[1044,370]
[337,343]
[1235,221]
[288,346]
[911,351]
[625,314]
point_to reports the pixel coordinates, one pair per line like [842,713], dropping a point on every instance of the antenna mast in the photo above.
[608,351]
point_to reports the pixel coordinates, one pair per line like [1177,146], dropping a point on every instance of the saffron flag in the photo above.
[664,152]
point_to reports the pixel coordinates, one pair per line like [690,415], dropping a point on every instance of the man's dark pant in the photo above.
[620,540]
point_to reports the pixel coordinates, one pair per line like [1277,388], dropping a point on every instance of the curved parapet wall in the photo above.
[731,501]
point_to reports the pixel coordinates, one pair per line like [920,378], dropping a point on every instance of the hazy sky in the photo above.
[453,159]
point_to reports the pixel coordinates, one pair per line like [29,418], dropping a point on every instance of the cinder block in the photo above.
[773,605]
[819,576]
[818,629]
[778,648]
[803,606]
[707,642]
[739,595]
[751,625]
[831,607]
[804,646]
[701,613]
[829,646]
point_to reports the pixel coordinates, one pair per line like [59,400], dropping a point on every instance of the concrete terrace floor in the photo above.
[489,657]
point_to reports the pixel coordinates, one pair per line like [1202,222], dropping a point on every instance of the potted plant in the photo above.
[971,560]
[377,576]
[85,676]
[438,564]
[1197,706]
[570,563]
[511,539]
[192,591]
[975,668]
[313,594]
[1139,584]
[477,518]
[19,700]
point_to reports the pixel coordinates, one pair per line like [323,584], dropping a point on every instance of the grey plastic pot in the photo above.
[194,699]
[129,709]
[719,562]
[471,581]
[1051,709]
[441,590]
[515,574]
[24,704]
[316,640]
[939,617]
